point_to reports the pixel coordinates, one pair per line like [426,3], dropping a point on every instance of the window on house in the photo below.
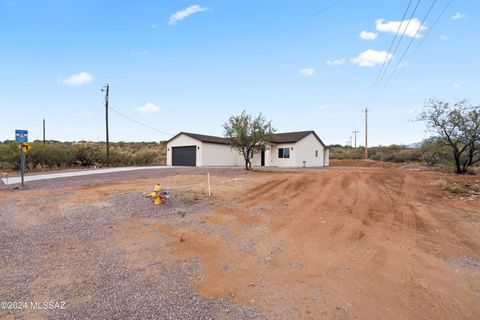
[316,153]
[284,153]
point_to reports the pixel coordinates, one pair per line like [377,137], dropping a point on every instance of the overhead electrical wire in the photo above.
[140,123]
[391,46]
[431,28]
[324,9]
[385,71]
[409,44]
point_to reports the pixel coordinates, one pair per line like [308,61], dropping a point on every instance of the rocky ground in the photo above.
[336,243]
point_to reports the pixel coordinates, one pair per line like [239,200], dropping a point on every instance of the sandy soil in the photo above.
[368,242]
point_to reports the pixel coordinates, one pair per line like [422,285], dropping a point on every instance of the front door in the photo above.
[262,159]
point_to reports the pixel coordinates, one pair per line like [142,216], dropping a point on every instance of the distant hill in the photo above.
[415,145]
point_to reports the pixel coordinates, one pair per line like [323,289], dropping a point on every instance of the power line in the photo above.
[140,123]
[399,41]
[409,44]
[391,46]
[431,28]
[324,9]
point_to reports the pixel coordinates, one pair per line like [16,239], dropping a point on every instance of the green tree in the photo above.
[458,126]
[248,135]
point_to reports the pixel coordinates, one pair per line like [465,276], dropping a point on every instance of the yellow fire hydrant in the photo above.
[155,195]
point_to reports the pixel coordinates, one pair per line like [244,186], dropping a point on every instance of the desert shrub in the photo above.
[145,158]
[54,154]
[10,155]
[435,152]
[403,155]
[455,189]
[50,155]
[342,153]
[87,155]
[117,158]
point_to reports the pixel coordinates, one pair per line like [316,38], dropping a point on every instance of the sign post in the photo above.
[21,136]
[22,164]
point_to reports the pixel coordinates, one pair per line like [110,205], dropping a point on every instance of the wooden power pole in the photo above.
[366,133]
[106,89]
[355,133]
[43,131]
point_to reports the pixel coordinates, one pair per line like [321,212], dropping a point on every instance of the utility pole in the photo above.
[366,133]
[355,132]
[105,89]
[43,131]
[350,141]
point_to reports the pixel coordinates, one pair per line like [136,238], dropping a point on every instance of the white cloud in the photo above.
[307,72]
[371,58]
[365,35]
[392,26]
[336,62]
[443,37]
[148,107]
[456,85]
[78,79]
[458,16]
[182,14]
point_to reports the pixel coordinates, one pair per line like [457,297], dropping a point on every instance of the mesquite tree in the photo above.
[458,126]
[248,135]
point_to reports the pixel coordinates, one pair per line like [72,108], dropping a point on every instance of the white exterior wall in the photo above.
[306,152]
[214,154]
[184,141]
[256,161]
[275,161]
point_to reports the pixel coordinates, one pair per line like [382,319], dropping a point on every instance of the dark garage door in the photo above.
[184,156]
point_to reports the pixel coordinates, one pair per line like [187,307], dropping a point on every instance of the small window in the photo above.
[316,153]
[284,153]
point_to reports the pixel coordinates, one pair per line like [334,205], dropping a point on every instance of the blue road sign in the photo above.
[21,136]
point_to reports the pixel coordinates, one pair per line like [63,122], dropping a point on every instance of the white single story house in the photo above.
[289,149]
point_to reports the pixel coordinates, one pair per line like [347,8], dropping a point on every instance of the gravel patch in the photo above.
[471,262]
[74,182]
[74,256]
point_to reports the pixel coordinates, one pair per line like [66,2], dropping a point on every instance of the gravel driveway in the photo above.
[73,255]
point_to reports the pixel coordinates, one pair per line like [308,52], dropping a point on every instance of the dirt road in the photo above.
[337,243]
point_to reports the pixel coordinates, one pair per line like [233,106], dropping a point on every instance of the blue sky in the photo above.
[189,65]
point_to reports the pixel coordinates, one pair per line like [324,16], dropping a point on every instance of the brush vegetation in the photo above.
[58,155]
[433,153]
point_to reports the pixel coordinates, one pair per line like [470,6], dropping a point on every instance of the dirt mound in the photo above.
[363,163]
[374,244]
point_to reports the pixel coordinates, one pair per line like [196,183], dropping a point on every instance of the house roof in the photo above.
[284,137]
[203,138]
[292,137]
[289,137]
